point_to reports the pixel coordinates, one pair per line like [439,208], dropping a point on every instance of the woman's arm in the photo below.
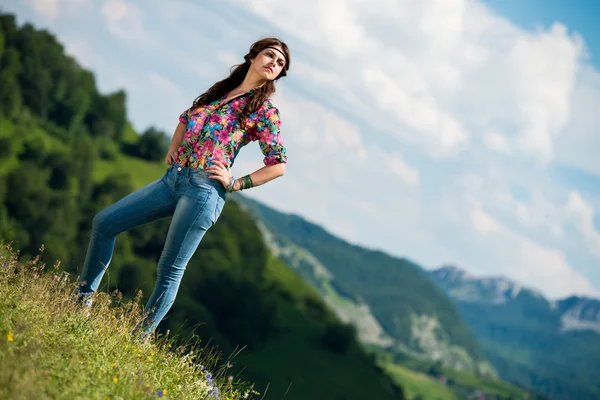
[260,176]
[176,141]
[257,178]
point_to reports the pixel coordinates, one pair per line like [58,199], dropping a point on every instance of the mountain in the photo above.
[392,301]
[67,151]
[552,347]
[462,286]
[579,314]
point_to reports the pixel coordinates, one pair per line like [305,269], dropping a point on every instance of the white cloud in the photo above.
[48,9]
[400,168]
[544,69]
[125,21]
[74,6]
[415,109]
[228,58]
[497,141]
[162,86]
[527,262]
[579,145]
[123,18]
[582,214]
[451,68]
[79,49]
[539,266]
[483,223]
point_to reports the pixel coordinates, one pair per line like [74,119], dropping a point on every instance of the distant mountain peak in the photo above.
[464,286]
[452,273]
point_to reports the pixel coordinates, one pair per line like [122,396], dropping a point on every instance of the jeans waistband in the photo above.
[186,171]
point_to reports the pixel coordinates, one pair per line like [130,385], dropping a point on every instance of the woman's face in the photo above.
[269,63]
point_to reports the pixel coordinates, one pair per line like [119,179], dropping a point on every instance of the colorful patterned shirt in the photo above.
[213,133]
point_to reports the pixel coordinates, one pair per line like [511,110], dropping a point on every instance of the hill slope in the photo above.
[50,348]
[408,311]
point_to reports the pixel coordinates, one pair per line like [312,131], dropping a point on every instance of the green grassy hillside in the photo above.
[50,348]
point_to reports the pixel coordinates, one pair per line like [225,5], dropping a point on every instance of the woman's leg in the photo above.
[150,203]
[197,210]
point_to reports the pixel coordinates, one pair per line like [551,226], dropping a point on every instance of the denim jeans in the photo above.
[191,198]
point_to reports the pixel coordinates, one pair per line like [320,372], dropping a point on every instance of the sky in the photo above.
[450,132]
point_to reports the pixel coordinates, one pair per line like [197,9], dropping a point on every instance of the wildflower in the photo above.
[115,379]
[161,392]
[214,392]
[9,337]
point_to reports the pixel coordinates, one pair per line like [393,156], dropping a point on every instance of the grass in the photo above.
[418,384]
[411,373]
[142,172]
[491,386]
[50,348]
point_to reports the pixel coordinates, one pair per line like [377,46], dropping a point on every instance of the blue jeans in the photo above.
[191,198]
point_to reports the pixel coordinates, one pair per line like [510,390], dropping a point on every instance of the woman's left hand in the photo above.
[219,173]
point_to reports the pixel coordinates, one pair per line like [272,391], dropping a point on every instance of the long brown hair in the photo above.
[237,75]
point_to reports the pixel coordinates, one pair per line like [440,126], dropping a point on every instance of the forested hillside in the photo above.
[397,292]
[67,151]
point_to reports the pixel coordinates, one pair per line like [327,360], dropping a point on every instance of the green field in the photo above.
[418,385]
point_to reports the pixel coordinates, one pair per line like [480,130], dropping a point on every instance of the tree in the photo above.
[152,146]
[339,337]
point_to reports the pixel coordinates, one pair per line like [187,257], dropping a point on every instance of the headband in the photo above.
[275,48]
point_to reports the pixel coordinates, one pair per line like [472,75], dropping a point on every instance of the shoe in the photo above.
[83,302]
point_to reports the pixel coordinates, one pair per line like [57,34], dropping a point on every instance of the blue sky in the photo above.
[578,15]
[447,131]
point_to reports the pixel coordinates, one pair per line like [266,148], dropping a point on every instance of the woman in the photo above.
[229,115]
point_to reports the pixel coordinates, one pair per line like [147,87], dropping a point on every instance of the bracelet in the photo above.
[246,182]
[231,184]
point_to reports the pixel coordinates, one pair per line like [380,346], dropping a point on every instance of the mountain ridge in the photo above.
[577,312]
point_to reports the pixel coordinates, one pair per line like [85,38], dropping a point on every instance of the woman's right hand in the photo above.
[171,156]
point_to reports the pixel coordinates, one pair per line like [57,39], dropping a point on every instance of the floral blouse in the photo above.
[213,133]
